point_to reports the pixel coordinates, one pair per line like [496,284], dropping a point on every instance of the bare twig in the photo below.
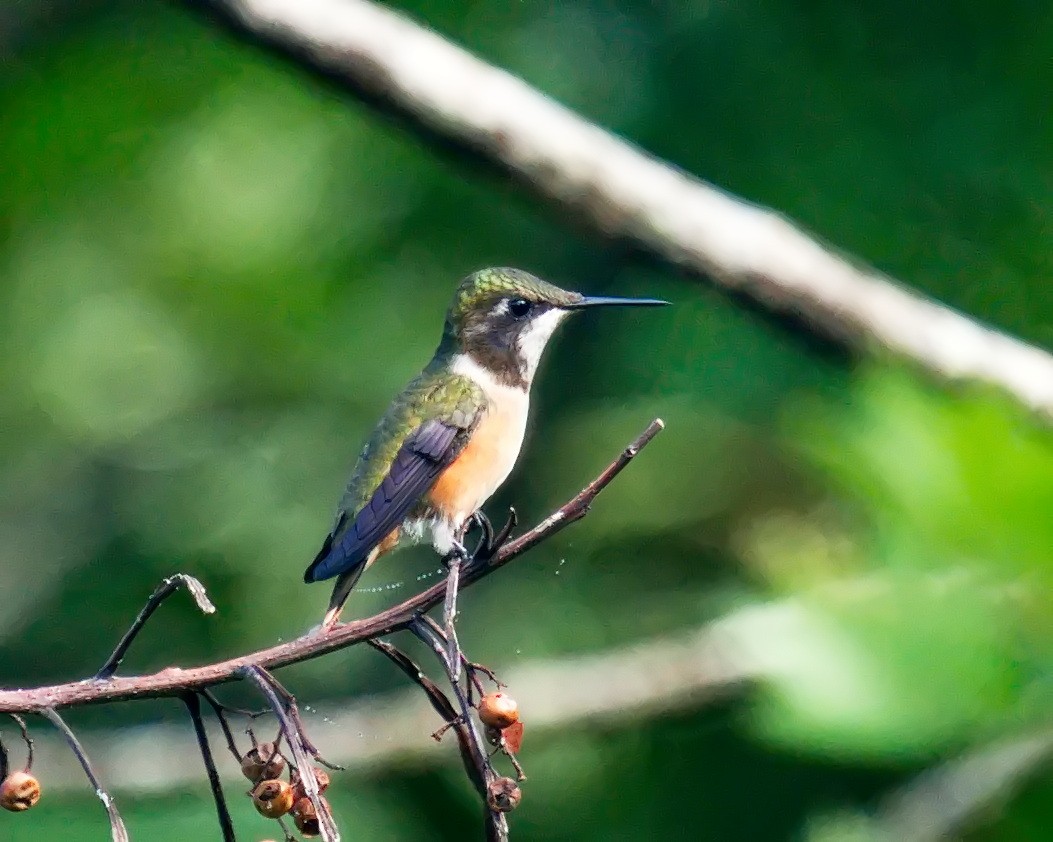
[164,590]
[289,837]
[458,100]
[221,710]
[175,681]
[193,705]
[293,711]
[471,669]
[496,821]
[117,829]
[612,688]
[449,615]
[442,704]
[294,736]
[21,723]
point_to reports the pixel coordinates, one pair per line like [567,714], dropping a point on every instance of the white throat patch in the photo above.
[534,338]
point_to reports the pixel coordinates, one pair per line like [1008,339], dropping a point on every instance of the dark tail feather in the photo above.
[345,583]
[309,574]
[332,561]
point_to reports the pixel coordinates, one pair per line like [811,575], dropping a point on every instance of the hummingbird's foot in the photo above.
[492,541]
[483,548]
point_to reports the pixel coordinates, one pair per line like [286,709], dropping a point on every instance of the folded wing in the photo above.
[424,454]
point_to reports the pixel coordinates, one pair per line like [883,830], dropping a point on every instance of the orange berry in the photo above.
[306,817]
[498,710]
[19,791]
[272,798]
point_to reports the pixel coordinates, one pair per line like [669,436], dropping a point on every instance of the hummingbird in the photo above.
[452,436]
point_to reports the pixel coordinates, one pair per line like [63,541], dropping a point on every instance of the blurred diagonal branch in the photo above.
[943,802]
[457,99]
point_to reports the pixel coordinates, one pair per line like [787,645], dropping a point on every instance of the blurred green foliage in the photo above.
[216,272]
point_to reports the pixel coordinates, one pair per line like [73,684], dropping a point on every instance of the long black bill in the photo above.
[604,301]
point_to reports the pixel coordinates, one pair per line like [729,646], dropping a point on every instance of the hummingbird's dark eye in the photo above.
[519,307]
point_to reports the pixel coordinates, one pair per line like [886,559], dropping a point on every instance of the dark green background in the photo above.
[216,271]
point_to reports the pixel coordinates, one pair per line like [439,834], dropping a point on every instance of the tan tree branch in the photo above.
[458,99]
[175,681]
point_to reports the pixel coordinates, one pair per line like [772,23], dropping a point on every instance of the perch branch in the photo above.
[456,99]
[175,681]
[117,829]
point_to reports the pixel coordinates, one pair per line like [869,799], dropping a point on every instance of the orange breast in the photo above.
[483,465]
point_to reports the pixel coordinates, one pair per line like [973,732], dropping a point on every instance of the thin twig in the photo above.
[293,710]
[21,723]
[578,506]
[193,705]
[471,669]
[164,590]
[442,705]
[221,710]
[449,616]
[496,822]
[289,837]
[175,681]
[117,829]
[266,684]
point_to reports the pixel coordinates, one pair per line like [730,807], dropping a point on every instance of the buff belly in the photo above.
[472,478]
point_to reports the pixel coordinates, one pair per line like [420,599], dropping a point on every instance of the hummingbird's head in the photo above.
[503,318]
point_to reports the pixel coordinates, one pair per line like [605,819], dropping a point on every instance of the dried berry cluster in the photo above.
[273,797]
[499,712]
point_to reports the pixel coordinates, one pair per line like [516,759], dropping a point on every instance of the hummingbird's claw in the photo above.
[506,531]
[484,548]
[492,541]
